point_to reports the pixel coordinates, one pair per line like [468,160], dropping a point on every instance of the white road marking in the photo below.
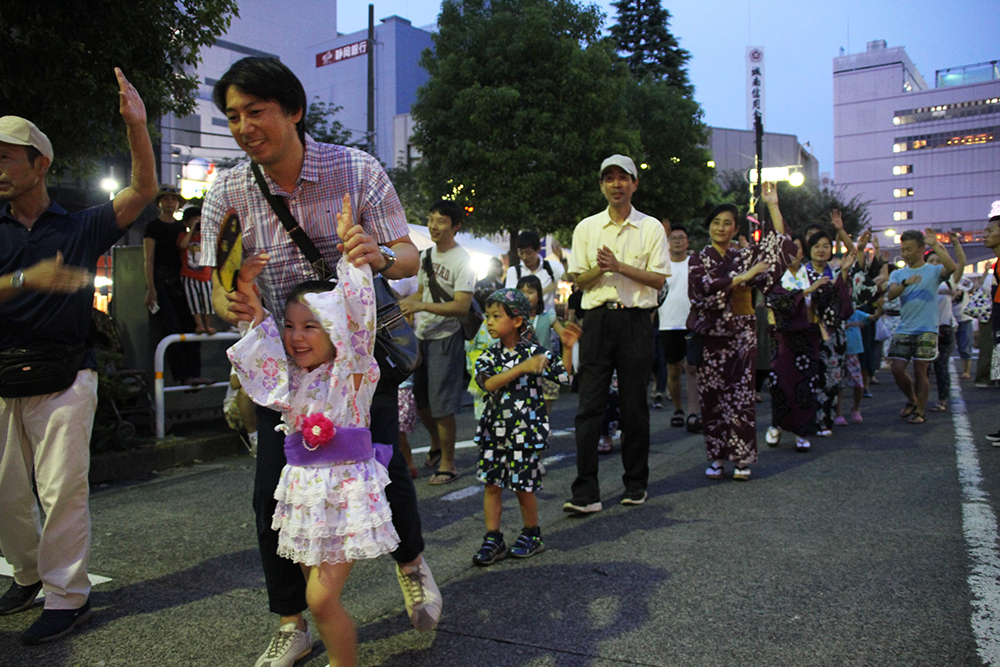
[8,571]
[468,491]
[979,523]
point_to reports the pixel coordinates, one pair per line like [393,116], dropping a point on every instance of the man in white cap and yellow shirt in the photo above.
[48,381]
[620,261]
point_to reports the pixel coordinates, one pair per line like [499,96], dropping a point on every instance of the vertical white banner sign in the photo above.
[755,85]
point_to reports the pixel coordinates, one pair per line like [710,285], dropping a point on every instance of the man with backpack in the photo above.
[531,263]
[446,280]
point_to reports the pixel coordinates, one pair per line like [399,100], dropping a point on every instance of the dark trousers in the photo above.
[286,587]
[942,373]
[174,316]
[613,340]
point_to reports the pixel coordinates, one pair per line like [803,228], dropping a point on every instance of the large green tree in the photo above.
[56,67]
[642,34]
[522,104]
[660,105]
[676,180]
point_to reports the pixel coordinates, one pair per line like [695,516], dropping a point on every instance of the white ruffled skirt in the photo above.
[333,513]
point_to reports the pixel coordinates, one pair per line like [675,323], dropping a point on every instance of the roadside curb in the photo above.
[163,455]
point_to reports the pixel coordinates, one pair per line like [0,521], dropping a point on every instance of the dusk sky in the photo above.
[800,40]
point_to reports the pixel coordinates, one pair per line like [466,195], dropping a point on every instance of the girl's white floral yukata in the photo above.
[332,512]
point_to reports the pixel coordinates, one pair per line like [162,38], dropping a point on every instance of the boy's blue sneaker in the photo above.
[529,543]
[493,550]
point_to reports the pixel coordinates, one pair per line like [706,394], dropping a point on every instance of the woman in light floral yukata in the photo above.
[723,326]
[319,372]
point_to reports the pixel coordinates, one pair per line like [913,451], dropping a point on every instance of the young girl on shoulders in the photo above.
[317,369]
[515,424]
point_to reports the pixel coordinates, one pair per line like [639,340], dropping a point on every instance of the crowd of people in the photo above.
[334,470]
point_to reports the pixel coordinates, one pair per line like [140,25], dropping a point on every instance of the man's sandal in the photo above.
[433,458]
[916,418]
[907,410]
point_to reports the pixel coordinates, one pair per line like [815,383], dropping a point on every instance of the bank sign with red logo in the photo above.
[342,53]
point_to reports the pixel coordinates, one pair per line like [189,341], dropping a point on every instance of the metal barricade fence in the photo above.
[159,390]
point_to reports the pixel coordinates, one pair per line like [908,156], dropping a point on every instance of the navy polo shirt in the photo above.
[39,318]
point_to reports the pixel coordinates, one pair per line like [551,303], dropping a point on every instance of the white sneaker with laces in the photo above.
[287,646]
[421,594]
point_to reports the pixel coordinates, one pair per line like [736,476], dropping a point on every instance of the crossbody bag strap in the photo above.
[296,233]
[437,292]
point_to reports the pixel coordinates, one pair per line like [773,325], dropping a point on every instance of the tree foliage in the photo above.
[57,66]
[521,106]
[642,34]
[322,125]
[677,180]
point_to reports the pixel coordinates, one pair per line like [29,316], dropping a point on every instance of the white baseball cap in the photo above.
[20,132]
[623,161]
[994,209]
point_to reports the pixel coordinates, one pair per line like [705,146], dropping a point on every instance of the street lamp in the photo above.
[111,185]
[774,174]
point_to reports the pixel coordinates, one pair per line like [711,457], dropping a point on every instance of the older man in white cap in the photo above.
[620,261]
[48,385]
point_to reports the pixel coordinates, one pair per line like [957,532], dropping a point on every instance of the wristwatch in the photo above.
[390,258]
[17,281]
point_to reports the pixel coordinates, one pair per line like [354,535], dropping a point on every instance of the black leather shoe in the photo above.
[18,598]
[54,624]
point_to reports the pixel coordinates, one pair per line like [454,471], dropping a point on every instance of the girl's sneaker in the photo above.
[529,543]
[856,417]
[840,421]
[493,550]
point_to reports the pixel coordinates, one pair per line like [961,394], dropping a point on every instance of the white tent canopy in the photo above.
[480,249]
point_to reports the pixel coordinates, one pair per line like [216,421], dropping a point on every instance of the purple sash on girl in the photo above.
[347,444]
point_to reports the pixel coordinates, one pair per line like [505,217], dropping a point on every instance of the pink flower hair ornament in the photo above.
[317,431]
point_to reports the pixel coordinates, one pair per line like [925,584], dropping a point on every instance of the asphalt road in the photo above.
[872,549]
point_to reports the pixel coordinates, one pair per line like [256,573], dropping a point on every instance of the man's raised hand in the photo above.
[130,105]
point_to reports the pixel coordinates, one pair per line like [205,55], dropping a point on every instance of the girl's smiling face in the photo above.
[306,341]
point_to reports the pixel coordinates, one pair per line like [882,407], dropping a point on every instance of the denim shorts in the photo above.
[918,347]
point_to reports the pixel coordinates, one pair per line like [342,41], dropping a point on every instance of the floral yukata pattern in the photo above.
[726,376]
[331,512]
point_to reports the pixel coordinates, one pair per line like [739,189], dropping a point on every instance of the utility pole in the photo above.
[371,80]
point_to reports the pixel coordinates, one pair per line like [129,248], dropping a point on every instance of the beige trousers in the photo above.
[49,437]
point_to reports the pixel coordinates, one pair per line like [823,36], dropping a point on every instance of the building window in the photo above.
[900,169]
[990,105]
[902,192]
[983,135]
[902,215]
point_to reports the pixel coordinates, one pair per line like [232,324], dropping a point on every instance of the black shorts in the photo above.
[674,345]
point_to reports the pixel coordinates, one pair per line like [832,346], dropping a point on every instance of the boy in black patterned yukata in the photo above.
[515,424]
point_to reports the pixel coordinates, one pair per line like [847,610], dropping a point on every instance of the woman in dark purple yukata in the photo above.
[722,320]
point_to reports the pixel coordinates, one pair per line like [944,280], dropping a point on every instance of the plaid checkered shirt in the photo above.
[328,173]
